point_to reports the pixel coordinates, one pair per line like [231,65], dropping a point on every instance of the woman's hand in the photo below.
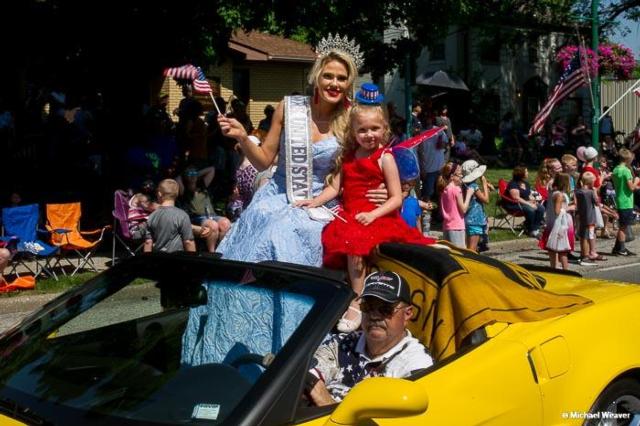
[232,128]
[379,195]
[365,218]
[306,203]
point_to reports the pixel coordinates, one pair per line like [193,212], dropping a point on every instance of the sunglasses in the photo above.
[387,310]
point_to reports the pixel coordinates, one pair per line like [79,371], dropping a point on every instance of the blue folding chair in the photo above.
[21,223]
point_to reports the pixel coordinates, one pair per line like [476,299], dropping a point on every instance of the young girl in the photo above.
[557,202]
[475,219]
[363,164]
[453,204]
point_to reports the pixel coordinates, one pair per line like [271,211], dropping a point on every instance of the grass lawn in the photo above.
[49,285]
[64,283]
[494,175]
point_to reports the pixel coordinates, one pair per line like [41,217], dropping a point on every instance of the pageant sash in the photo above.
[299,155]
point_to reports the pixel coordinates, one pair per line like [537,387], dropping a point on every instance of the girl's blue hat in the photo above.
[369,95]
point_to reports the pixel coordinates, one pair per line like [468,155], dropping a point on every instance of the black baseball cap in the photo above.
[388,286]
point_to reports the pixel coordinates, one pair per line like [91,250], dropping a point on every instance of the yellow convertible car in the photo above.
[186,339]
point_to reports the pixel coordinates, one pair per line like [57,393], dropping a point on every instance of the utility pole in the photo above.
[595,82]
[407,83]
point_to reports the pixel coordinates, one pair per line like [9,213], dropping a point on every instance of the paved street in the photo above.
[525,251]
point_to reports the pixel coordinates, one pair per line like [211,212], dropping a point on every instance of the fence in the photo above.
[625,114]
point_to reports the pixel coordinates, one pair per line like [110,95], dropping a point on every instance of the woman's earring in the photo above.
[316,96]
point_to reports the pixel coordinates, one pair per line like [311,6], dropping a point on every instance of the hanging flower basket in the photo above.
[614,59]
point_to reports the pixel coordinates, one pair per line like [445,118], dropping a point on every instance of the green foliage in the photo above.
[94,38]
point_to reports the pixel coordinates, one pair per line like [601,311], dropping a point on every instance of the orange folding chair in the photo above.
[63,223]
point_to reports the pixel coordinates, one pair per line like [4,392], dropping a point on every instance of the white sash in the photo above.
[299,154]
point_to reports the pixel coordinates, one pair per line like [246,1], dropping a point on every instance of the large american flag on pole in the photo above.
[573,77]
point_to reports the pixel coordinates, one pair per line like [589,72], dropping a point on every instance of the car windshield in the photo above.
[155,347]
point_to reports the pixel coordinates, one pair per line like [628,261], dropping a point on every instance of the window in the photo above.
[490,51]
[241,84]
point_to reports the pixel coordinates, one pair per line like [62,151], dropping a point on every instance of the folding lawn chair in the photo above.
[506,215]
[21,223]
[63,223]
[121,231]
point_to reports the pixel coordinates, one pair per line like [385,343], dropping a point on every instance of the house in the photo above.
[261,69]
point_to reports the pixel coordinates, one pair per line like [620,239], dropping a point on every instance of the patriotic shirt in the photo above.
[341,361]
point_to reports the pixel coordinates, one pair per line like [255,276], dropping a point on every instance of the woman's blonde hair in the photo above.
[349,144]
[340,115]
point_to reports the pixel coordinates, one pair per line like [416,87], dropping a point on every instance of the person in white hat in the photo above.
[475,219]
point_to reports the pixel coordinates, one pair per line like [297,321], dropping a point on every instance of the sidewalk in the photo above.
[518,250]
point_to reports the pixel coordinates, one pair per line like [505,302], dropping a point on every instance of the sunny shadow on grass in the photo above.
[64,283]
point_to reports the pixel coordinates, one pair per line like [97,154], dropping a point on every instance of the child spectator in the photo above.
[475,219]
[412,207]
[625,185]
[453,204]
[196,202]
[570,167]
[544,179]
[137,215]
[606,196]
[557,210]
[168,228]
[586,206]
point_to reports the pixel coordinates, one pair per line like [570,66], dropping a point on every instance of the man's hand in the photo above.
[320,396]
[379,195]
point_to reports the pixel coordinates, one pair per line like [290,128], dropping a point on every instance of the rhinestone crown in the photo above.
[341,44]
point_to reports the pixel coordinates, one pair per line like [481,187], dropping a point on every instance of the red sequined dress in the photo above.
[340,239]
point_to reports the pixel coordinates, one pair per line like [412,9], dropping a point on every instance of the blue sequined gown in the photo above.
[270,228]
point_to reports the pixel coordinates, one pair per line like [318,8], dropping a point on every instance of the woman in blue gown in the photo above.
[271,228]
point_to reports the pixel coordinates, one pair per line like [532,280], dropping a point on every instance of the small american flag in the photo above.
[573,77]
[186,72]
[201,84]
[637,92]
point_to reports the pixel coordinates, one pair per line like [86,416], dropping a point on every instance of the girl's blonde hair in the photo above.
[544,174]
[339,119]
[349,144]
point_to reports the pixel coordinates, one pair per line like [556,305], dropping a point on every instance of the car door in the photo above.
[493,384]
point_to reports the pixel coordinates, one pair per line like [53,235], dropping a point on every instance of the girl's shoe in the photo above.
[348,325]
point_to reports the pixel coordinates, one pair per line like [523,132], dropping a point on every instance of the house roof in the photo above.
[259,46]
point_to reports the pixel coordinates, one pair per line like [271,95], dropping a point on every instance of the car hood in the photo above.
[599,291]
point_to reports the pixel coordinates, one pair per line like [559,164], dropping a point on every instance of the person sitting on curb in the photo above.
[384,347]
[195,200]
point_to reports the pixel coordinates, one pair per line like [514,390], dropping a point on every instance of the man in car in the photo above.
[384,347]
